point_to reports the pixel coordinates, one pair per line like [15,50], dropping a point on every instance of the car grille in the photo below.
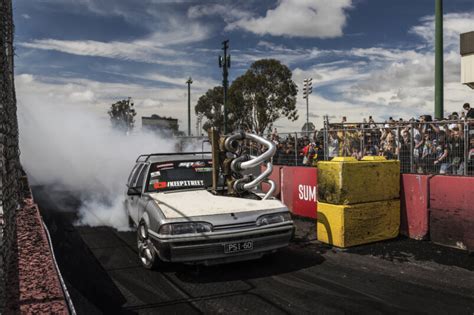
[229,239]
[211,249]
[234,226]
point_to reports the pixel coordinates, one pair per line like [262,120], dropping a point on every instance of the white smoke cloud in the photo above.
[71,148]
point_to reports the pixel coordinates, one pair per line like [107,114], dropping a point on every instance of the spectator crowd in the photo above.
[422,145]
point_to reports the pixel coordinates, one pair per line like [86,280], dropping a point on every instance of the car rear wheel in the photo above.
[146,249]
[131,224]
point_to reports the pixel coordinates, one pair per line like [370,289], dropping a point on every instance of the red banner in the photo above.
[275,176]
[299,190]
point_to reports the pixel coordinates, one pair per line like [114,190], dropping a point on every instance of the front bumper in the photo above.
[209,249]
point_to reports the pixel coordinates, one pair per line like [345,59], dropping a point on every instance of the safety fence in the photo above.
[10,169]
[29,281]
[441,147]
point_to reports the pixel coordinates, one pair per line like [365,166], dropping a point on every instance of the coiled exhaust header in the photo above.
[241,163]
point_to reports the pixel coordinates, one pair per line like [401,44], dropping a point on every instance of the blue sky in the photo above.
[366,57]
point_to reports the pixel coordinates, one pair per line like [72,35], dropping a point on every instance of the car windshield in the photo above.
[164,176]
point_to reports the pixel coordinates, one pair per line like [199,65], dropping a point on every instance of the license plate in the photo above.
[238,247]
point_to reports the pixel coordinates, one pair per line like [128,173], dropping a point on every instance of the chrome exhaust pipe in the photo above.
[246,162]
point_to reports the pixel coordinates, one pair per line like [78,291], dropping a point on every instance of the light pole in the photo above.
[439,88]
[189,82]
[224,63]
[307,90]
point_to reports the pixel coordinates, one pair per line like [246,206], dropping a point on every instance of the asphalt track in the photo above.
[103,275]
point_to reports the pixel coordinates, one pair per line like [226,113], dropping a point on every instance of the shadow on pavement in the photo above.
[284,261]
[86,279]
[403,249]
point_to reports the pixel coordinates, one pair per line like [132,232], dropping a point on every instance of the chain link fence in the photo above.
[422,147]
[10,169]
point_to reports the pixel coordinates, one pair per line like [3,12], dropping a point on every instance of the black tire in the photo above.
[131,224]
[146,250]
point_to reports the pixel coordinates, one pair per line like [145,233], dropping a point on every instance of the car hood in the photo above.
[178,204]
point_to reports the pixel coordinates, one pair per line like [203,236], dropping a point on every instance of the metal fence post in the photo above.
[466,146]
[296,149]
[412,147]
[326,139]
[397,142]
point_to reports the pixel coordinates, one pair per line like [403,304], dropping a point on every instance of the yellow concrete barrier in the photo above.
[344,180]
[349,225]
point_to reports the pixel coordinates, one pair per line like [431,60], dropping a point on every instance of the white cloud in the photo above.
[154,48]
[387,82]
[26,16]
[299,18]
[228,13]
[453,25]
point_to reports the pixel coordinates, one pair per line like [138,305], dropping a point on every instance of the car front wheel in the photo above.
[146,249]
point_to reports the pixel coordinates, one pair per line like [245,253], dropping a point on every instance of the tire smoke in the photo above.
[73,149]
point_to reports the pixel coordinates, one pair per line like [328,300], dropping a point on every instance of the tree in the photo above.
[122,115]
[210,105]
[262,95]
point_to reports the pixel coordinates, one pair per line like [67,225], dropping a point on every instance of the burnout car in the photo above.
[179,219]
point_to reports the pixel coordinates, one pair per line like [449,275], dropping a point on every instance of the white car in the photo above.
[179,219]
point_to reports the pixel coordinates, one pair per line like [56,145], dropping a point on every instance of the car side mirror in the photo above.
[134,191]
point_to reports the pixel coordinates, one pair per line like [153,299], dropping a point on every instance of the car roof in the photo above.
[154,158]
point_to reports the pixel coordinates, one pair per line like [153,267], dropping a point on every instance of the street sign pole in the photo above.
[189,82]
[224,63]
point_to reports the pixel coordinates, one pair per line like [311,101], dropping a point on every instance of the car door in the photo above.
[139,203]
[132,197]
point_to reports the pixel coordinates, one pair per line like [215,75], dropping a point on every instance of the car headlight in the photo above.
[273,218]
[185,228]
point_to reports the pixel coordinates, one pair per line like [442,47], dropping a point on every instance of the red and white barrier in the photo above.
[276,177]
[439,206]
[452,211]
[299,190]
[414,200]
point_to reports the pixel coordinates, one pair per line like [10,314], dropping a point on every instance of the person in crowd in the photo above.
[387,142]
[404,151]
[418,147]
[309,152]
[333,144]
[370,148]
[469,112]
[441,157]
[278,154]
[356,153]
[438,146]
[389,149]
[427,153]
[372,123]
[470,156]
[349,140]
[320,154]
[456,147]
[305,152]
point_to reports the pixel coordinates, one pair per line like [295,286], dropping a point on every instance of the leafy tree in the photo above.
[211,106]
[122,115]
[262,95]
[256,99]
